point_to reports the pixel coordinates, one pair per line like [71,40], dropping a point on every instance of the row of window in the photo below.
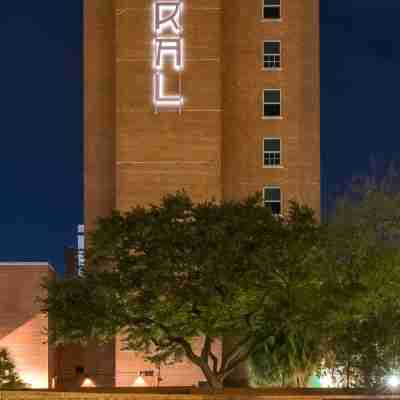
[272,108]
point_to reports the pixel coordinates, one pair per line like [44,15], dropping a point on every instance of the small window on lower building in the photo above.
[272,54]
[272,152]
[273,199]
[272,9]
[272,103]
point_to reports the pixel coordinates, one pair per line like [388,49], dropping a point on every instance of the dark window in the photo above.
[272,9]
[147,373]
[272,152]
[272,199]
[272,54]
[79,370]
[272,103]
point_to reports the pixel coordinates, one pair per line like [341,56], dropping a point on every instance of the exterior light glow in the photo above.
[35,381]
[88,383]
[168,14]
[140,382]
[393,381]
[326,381]
[167,44]
[162,99]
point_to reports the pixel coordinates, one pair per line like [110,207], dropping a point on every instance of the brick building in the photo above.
[217,97]
[23,328]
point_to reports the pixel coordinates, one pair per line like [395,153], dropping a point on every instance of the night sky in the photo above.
[41,164]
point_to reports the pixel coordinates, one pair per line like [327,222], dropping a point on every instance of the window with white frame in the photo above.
[272,152]
[272,54]
[272,9]
[273,199]
[272,103]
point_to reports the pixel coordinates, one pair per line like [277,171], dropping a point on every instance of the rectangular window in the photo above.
[272,9]
[272,54]
[272,152]
[273,199]
[272,103]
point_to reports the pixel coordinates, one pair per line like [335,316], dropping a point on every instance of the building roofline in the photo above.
[26,264]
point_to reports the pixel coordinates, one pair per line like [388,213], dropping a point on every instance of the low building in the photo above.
[23,327]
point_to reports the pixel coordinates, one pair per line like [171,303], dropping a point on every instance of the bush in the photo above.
[9,378]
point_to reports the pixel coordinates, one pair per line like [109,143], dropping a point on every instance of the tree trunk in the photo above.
[239,377]
[215,381]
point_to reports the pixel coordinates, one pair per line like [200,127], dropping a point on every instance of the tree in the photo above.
[362,248]
[165,275]
[367,351]
[9,378]
[358,343]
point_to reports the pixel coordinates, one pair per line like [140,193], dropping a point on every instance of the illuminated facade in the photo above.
[22,325]
[217,97]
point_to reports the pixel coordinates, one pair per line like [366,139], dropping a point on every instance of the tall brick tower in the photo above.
[217,97]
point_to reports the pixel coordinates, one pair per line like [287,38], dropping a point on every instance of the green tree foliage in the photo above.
[366,351]
[362,248]
[286,360]
[356,337]
[165,275]
[9,378]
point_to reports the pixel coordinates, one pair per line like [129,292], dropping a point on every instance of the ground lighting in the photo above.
[393,381]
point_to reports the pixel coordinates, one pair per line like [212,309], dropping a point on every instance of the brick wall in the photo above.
[22,325]
[244,81]
[182,373]
[160,153]
[134,155]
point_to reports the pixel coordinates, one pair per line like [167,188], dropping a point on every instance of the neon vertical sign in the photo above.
[167,47]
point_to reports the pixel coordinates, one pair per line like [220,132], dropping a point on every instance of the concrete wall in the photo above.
[22,325]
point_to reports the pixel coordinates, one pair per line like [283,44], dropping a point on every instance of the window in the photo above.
[272,9]
[272,54]
[272,103]
[272,199]
[272,152]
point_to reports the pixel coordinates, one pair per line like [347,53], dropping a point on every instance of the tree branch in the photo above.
[235,352]
[239,360]
[214,359]
[206,349]
[188,350]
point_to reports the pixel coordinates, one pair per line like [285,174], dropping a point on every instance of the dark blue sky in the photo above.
[41,101]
